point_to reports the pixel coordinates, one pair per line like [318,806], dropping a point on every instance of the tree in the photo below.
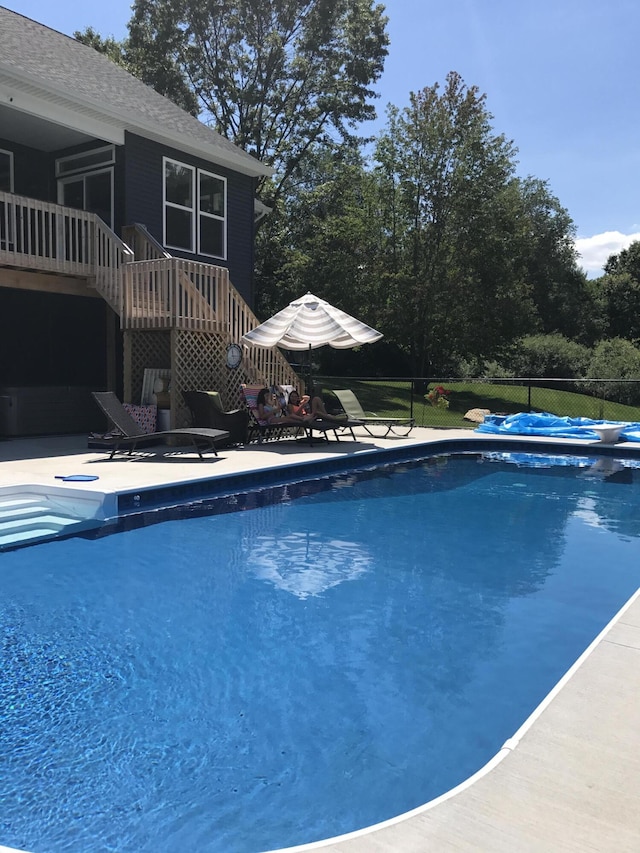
[273,76]
[109,46]
[320,239]
[449,201]
[563,299]
[325,238]
[626,261]
[549,356]
[620,294]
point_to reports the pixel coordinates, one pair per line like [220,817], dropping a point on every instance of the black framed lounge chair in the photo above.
[353,408]
[207,411]
[132,434]
[260,431]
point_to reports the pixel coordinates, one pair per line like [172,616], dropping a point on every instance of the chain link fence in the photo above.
[454,403]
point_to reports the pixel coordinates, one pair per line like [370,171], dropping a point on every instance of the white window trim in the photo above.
[203,215]
[110,158]
[11,173]
[172,204]
[68,179]
[196,214]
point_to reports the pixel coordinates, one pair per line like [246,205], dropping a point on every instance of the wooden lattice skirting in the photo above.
[197,360]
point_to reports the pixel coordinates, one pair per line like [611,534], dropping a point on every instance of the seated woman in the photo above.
[270,412]
[318,409]
[297,405]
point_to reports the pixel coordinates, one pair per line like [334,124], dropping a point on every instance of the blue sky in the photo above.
[562,80]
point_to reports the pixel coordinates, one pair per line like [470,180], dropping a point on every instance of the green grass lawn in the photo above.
[393,399]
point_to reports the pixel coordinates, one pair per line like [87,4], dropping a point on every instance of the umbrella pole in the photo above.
[309,386]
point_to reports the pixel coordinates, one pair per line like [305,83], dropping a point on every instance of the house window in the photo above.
[6,171]
[85,181]
[87,161]
[92,192]
[195,204]
[178,205]
[211,222]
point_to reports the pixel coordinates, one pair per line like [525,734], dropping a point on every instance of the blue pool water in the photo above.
[305,665]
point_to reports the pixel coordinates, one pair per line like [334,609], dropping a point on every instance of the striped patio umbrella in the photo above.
[308,323]
[311,322]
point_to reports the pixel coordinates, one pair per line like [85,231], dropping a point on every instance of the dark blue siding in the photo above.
[143,203]
[32,172]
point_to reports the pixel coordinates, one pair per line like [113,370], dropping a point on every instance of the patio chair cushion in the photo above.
[216,399]
[145,416]
[250,394]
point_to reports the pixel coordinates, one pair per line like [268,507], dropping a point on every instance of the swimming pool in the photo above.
[324,657]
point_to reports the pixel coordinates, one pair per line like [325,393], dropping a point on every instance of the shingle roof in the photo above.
[82,76]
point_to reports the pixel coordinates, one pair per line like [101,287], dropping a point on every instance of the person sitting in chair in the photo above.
[318,409]
[270,412]
[297,405]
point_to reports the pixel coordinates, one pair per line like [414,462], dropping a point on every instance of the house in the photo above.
[126,239]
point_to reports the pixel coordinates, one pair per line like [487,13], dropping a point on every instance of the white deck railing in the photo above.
[46,237]
[172,293]
[155,293]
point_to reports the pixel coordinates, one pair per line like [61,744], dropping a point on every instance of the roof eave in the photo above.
[121,120]
[241,162]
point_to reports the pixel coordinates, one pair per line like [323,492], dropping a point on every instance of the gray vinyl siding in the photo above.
[143,178]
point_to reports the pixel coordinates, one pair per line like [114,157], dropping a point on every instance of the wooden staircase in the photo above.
[162,292]
[147,288]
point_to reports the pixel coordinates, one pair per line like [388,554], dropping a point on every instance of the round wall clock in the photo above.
[234,355]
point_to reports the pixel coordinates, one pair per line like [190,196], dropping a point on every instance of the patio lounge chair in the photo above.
[207,411]
[259,431]
[353,408]
[132,433]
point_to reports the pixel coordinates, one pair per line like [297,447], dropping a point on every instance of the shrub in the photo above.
[550,356]
[615,359]
[480,369]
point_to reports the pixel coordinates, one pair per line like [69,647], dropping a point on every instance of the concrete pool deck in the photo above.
[567,781]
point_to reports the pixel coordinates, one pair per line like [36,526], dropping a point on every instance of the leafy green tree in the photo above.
[563,300]
[626,261]
[109,46]
[273,76]
[322,237]
[620,295]
[325,237]
[449,201]
[619,292]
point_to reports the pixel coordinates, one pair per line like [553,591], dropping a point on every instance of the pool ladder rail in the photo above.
[31,513]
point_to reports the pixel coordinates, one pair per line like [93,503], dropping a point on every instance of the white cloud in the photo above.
[594,251]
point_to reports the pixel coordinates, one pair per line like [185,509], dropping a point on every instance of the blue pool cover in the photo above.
[544,423]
